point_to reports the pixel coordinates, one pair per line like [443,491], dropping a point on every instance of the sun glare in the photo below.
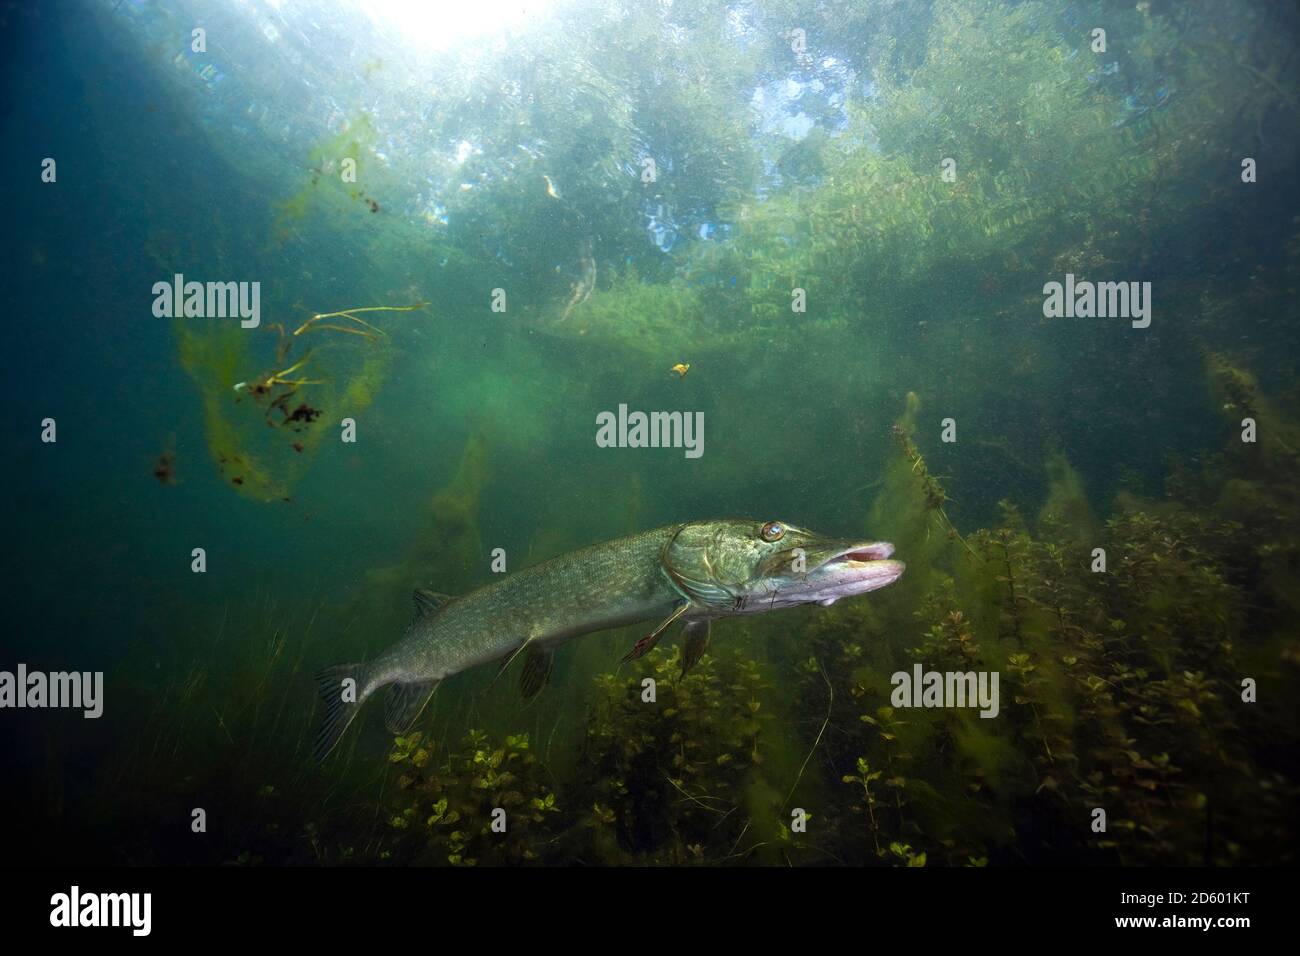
[436,24]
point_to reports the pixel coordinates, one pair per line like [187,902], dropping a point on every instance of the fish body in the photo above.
[602,586]
[693,572]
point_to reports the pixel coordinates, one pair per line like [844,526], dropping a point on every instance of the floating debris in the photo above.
[267,383]
[303,415]
[586,282]
[351,314]
[165,469]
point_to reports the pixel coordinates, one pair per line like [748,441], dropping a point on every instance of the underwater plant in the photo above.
[265,464]
[478,803]
[1124,688]
[1121,689]
[681,779]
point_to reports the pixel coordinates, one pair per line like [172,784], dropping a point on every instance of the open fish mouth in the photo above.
[855,569]
[861,554]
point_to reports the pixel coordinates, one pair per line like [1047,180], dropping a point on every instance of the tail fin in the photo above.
[342,689]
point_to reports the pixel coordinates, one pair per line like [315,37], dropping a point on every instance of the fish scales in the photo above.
[605,585]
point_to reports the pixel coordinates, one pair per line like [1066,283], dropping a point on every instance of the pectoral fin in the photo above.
[695,639]
[537,671]
[405,703]
[651,639]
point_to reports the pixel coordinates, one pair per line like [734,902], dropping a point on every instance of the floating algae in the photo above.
[214,359]
[263,463]
[335,168]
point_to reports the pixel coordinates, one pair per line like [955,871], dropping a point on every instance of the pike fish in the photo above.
[694,572]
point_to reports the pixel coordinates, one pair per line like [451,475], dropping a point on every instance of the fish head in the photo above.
[746,566]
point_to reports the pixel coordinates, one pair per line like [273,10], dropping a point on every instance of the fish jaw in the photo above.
[857,569]
[835,571]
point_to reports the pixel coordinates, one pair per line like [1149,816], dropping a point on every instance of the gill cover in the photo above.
[718,564]
[694,561]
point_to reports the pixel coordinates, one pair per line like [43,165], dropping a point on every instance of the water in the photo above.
[844,218]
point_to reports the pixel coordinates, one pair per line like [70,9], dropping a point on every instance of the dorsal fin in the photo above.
[429,602]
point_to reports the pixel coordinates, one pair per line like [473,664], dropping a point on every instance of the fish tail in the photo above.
[342,688]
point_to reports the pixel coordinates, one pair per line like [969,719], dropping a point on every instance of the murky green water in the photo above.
[826,235]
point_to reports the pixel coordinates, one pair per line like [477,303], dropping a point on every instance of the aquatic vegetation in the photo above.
[1098,713]
[1105,537]
[932,491]
[1045,158]
[325,189]
[682,779]
[635,314]
[1275,448]
[1121,690]
[252,460]
[452,797]
[215,360]
[367,330]
[1066,505]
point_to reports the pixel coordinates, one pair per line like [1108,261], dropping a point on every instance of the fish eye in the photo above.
[772,531]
